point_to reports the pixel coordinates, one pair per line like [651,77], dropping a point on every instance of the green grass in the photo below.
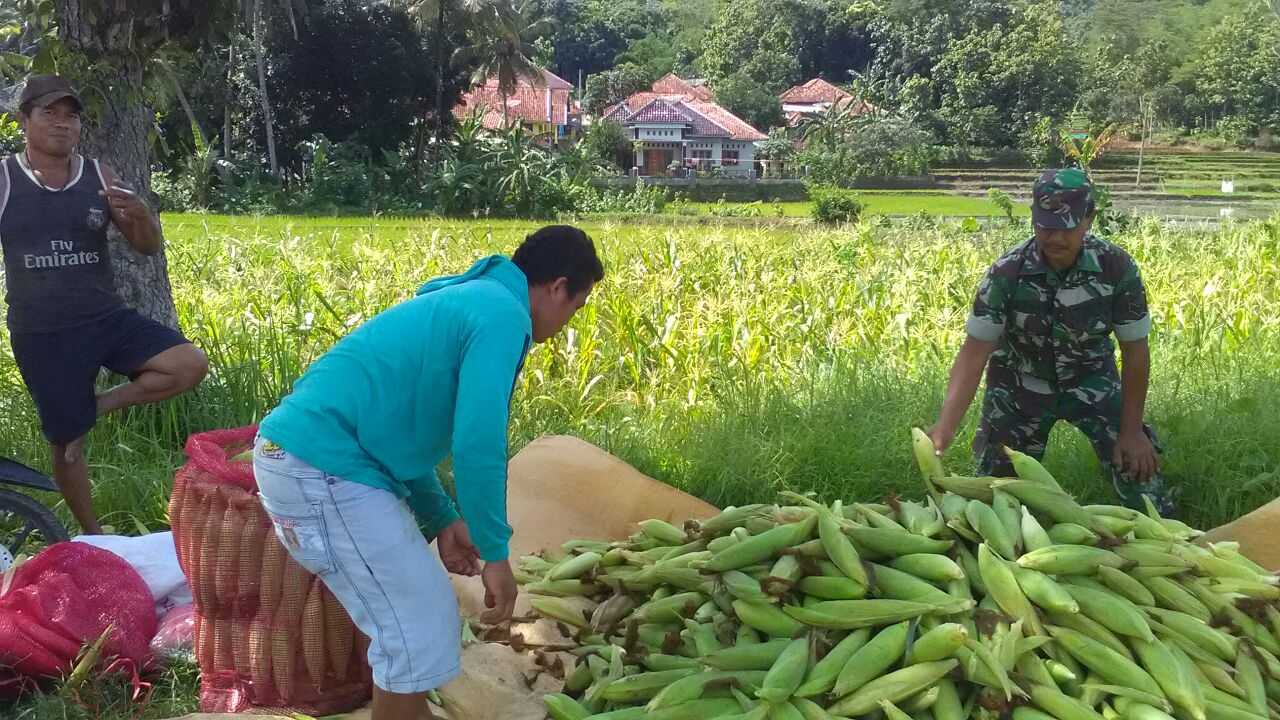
[175,694]
[730,361]
[876,202]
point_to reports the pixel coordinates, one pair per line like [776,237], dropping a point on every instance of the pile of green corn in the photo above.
[992,597]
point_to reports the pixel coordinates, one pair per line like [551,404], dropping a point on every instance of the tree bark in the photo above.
[268,118]
[437,146]
[186,106]
[229,98]
[116,132]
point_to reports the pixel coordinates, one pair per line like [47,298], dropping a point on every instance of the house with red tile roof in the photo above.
[678,123]
[543,103]
[817,96]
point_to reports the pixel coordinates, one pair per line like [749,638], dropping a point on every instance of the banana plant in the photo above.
[1084,151]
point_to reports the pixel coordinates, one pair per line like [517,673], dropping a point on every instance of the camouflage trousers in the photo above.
[1019,411]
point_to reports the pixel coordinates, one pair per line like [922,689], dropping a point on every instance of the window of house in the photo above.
[702,158]
[729,157]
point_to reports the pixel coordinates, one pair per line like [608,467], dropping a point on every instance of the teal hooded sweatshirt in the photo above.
[425,379]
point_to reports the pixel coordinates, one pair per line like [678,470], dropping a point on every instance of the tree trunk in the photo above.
[1142,148]
[228,101]
[268,118]
[116,132]
[438,145]
[186,106]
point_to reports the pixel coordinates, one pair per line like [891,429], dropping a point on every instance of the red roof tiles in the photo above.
[544,99]
[672,84]
[816,90]
[692,103]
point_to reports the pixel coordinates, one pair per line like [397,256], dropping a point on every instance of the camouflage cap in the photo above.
[1061,199]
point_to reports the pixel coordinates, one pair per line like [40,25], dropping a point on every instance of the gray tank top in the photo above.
[57,271]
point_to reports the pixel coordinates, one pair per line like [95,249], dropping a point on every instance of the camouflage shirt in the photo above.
[1055,326]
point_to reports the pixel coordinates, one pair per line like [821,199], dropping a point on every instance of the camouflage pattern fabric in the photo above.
[1055,359]
[1021,417]
[1061,199]
[1057,326]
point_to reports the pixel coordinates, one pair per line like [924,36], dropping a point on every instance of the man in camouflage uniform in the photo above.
[1043,317]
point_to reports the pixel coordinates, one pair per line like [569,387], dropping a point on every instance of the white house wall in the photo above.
[661,133]
[717,146]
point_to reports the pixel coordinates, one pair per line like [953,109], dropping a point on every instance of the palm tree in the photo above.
[505,46]
[255,14]
[436,12]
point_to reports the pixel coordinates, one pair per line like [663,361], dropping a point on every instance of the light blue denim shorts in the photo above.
[363,543]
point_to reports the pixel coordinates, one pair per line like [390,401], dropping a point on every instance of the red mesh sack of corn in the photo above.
[268,634]
[62,601]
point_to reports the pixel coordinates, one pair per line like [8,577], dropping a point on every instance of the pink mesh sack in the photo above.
[63,600]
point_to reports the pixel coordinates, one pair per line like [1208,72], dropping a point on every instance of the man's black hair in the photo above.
[559,251]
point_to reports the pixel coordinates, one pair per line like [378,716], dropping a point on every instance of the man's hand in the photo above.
[135,220]
[457,553]
[127,209]
[1135,455]
[499,592]
[941,435]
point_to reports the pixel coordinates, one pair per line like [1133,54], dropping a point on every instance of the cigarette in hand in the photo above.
[123,189]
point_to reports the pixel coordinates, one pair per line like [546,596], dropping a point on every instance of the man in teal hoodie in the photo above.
[347,460]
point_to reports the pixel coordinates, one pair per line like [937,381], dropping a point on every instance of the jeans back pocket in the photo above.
[302,530]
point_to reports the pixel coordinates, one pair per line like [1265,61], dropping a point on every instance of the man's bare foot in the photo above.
[74,450]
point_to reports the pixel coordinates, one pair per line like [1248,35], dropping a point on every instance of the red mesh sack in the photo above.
[268,634]
[64,599]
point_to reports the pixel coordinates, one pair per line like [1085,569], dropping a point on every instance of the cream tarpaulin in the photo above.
[1258,534]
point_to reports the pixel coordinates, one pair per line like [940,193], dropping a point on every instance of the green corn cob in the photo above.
[1072,534]
[939,643]
[787,673]
[983,519]
[1044,591]
[1111,610]
[1003,587]
[895,686]
[760,656]
[871,660]
[823,675]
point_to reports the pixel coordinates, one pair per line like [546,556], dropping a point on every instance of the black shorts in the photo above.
[61,368]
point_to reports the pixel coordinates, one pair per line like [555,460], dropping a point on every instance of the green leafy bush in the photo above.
[833,205]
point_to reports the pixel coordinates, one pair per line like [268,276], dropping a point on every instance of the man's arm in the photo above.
[985,327]
[966,374]
[1134,451]
[1131,320]
[491,357]
[486,376]
[139,225]
[429,502]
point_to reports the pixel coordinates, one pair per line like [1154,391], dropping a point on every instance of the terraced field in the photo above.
[1172,183]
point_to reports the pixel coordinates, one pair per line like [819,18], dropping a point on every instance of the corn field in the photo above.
[732,361]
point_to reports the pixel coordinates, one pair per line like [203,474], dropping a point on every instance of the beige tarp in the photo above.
[1258,534]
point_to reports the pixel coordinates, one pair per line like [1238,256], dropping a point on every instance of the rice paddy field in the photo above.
[730,360]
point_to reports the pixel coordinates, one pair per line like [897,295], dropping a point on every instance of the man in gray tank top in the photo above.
[66,321]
